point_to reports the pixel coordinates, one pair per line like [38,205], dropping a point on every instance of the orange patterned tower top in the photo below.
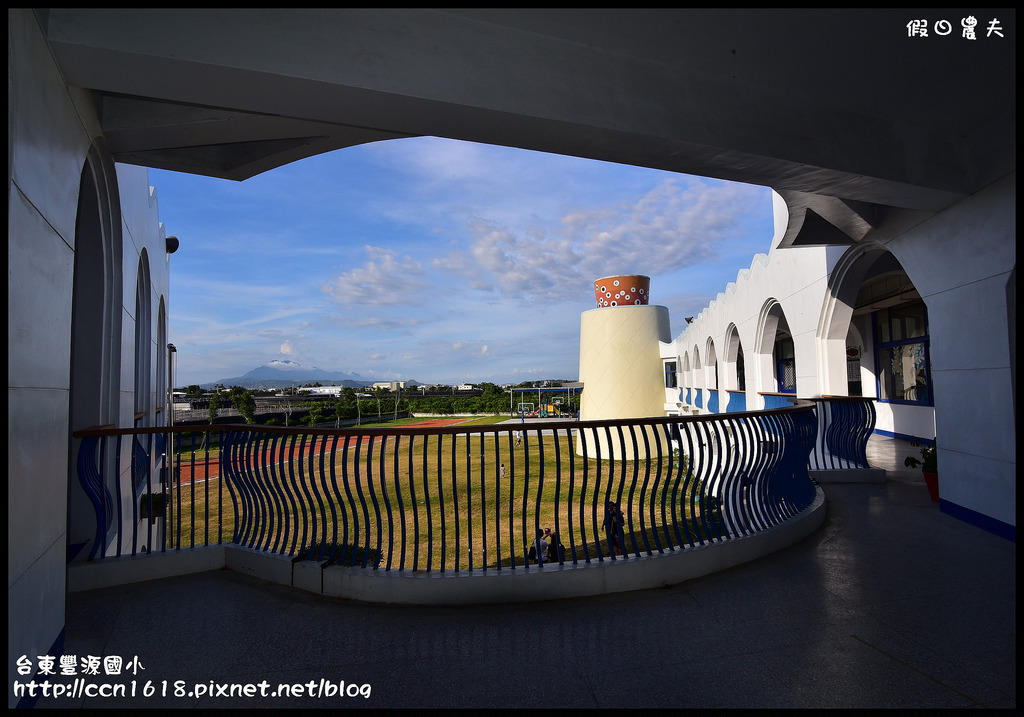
[624,290]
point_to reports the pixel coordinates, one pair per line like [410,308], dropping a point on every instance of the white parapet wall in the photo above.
[536,583]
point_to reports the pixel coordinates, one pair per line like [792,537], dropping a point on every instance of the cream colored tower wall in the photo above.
[621,371]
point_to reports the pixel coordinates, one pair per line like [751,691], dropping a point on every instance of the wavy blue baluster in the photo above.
[387,515]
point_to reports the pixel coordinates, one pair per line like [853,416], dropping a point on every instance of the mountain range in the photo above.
[284,374]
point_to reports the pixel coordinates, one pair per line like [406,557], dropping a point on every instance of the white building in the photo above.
[324,390]
[918,313]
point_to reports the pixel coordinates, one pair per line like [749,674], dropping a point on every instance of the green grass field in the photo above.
[453,484]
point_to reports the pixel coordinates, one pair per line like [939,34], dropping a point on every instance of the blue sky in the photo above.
[436,260]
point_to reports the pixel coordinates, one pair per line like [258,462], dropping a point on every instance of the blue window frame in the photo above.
[903,367]
[785,357]
[670,374]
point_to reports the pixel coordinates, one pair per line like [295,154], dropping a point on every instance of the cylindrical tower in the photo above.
[620,363]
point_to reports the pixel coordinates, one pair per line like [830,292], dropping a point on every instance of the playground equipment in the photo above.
[552,402]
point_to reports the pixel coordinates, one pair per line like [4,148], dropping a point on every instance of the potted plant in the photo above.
[929,466]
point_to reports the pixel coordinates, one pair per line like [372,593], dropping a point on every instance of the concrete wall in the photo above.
[51,132]
[960,260]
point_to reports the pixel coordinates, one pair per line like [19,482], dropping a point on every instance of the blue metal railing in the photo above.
[118,502]
[845,423]
[844,426]
[434,499]
[698,399]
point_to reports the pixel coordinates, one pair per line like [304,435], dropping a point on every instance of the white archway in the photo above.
[95,330]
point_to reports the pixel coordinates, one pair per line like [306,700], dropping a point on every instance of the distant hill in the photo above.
[284,374]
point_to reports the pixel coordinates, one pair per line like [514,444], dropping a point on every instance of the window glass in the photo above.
[882,326]
[902,354]
[670,374]
[909,321]
[903,373]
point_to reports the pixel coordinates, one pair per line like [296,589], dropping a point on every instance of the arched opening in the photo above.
[95,333]
[784,360]
[686,394]
[143,344]
[698,380]
[875,341]
[735,378]
[162,393]
[711,377]
[775,351]
[735,375]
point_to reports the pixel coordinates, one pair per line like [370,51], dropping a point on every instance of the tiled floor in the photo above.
[891,604]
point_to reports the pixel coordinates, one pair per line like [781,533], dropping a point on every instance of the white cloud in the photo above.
[453,259]
[679,223]
[384,279]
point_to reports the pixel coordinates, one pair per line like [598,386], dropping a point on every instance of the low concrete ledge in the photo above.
[547,582]
[849,475]
[127,569]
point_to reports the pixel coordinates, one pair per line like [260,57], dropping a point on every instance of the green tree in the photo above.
[317,413]
[193,391]
[339,411]
[379,392]
[244,403]
[214,405]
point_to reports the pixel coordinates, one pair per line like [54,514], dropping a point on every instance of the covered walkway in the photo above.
[891,604]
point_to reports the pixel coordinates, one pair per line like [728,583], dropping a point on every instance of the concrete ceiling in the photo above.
[838,110]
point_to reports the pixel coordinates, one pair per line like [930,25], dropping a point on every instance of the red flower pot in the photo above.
[932,481]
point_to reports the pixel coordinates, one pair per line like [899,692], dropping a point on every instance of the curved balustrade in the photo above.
[844,426]
[122,498]
[471,499]
[777,400]
[713,400]
[737,402]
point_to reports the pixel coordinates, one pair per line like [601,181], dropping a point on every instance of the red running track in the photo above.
[200,470]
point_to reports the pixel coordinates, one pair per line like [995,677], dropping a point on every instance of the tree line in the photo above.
[377,402]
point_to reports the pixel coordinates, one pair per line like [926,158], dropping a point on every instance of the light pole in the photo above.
[171,350]
[170,459]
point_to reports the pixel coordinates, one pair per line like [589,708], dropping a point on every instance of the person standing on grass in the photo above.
[613,529]
[501,472]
